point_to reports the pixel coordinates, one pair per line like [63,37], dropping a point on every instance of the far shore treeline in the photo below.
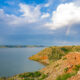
[20,46]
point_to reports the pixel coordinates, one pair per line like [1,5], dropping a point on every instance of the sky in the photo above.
[40,22]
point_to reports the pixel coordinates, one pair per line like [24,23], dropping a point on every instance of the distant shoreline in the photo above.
[21,46]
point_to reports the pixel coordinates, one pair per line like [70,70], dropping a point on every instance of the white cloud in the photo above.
[45,15]
[6,18]
[31,13]
[65,15]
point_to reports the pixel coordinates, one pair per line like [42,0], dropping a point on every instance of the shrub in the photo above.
[77,67]
[3,78]
[43,76]
[56,65]
[25,75]
[30,75]
[64,58]
[36,74]
[66,69]
[65,49]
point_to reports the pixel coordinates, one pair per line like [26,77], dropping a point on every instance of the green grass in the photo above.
[58,52]
[68,75]
[28,79]
[30,74]
[55,53]
[77,67]
[65,76]
[33,76]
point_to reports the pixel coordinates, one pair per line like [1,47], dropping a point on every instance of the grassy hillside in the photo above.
[54,53]
[64,68]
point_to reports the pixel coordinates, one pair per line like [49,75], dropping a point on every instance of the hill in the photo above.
[51,54]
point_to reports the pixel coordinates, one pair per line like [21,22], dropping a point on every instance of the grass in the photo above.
[58,52]
[65,76]
[33,76]
[55,53]
[68,75]
[30,74]
[28,79]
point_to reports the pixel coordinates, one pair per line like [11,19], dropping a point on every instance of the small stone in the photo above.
[78,72]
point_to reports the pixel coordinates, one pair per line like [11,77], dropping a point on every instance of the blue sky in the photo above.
[39,22]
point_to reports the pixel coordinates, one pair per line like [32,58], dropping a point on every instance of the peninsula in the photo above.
[62,63]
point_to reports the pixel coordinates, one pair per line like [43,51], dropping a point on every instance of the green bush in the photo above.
[56,65]
[44,76]
[66,50]
[2,78]
[77,67]
[66,69]
[64,58]
[36,74]
[30,75]
[25,75]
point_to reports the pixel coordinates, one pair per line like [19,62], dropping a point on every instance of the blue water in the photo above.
[15,60]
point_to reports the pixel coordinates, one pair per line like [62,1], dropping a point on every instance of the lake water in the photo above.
[15,60]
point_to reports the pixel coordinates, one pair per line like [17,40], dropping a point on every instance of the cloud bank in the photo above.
[29,14]
[65,15]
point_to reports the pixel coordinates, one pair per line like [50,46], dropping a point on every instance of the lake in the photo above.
[15,60]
